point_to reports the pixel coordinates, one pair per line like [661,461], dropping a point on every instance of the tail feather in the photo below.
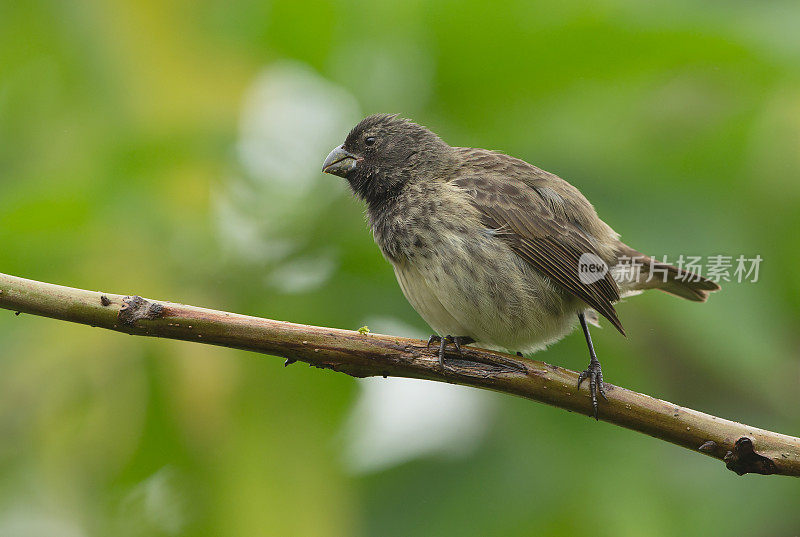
[654,274]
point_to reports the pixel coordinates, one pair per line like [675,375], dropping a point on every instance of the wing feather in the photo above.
[548,241]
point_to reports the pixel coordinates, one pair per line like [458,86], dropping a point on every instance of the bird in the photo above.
[491,250]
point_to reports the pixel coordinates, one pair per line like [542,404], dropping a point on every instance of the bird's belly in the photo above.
[481,289]
[419,295]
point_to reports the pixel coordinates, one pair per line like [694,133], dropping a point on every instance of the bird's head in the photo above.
[383,153]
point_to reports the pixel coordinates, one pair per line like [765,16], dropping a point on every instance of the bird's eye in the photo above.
[369,140]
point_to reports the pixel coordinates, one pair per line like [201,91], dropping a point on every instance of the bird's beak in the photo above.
[339,162]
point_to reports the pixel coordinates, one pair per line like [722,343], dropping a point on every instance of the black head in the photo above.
[383,153]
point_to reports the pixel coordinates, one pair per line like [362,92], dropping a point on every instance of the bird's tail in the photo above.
[639,272]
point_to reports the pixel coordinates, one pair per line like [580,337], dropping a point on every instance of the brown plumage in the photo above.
[487,247]
[537,226]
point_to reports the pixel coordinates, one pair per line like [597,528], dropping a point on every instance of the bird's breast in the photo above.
[419,221]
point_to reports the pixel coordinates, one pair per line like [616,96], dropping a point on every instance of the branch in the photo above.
[744,449]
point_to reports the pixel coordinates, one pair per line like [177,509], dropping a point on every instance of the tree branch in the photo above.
[744,449]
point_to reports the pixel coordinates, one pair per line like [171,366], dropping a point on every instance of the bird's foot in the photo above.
[457,341]
[433,339]
[595,376]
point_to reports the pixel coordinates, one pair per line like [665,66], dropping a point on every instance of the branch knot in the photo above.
[135,308]
[744,459]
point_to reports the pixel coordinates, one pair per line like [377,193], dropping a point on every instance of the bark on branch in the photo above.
[744,449]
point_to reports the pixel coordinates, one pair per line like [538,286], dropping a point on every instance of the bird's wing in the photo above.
[544,238]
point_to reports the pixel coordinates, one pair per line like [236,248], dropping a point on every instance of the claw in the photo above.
[595,376]
[433,338]
[457,341]
[457,344]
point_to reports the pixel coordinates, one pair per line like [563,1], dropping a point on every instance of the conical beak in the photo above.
[339,162]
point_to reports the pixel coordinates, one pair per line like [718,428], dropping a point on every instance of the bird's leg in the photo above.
[594,373]
[457,341]
[442,341]
[435,338]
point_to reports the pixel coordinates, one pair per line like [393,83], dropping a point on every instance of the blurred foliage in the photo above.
[125,130]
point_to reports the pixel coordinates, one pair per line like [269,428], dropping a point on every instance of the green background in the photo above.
[133,137]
